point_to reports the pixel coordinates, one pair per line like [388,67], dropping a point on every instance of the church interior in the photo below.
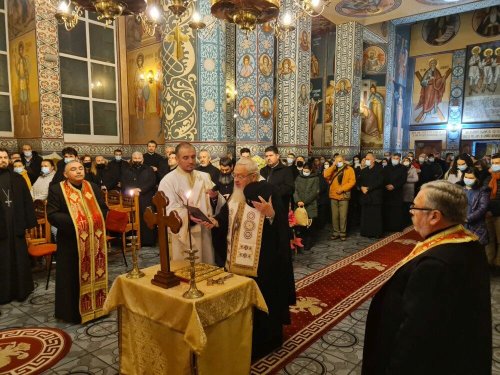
[312,77]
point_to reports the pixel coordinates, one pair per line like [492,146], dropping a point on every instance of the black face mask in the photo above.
[87,165]
[300,164]
[100,166]
[136,164]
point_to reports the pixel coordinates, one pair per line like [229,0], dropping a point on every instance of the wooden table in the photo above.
[161,332]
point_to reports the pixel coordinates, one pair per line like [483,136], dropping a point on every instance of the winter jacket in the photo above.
[476,212]
[409,187]
[307,191]
[348,181]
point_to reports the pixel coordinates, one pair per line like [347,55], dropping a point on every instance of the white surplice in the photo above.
[175,185]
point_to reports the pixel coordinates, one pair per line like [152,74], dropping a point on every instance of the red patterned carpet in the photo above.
[325,297]
[31,350]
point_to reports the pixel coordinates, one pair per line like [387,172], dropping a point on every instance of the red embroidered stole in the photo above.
[92,252]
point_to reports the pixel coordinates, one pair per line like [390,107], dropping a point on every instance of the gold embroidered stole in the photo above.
[455,234]
[244,239]
[92,252]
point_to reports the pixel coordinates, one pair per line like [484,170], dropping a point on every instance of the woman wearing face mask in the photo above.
[90,169]
[409,188]
[298,166]
[306,195]
[456,172]
[40,189]
[482,167]
[478,198]
[18,167]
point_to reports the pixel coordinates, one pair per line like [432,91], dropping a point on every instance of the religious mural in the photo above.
[366,8]
[343,87]
[265,65]
[401,53]
[246,66]
[144,94]
[486,22]
[441,2]
[21,16]
[286,68]
[482,83]
[441,30]
[24,84]
[372,105]
[374,60]
[431,89]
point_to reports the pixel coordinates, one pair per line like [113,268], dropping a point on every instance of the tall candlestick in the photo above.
[135,273]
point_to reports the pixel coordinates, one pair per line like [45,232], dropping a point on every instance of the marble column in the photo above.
[293,70]
[348,67]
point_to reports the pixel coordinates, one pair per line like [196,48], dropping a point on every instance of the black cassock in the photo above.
[67,283]
[16,215]
[144,178]
[275,279]
[371,203]
[393,199]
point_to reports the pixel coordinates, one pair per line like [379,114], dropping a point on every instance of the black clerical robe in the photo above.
[393,214]
[212,170]
[67,274]
[107,177]
[16,215]
[433,316]
[371,202]
[154,160]
[144,178]
[275,279]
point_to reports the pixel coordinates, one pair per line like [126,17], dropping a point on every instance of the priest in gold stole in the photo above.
[258,246]
[78,211]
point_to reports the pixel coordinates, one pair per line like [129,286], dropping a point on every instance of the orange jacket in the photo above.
[348,181]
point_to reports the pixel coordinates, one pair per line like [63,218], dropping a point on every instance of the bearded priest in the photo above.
[77,209]
[258,246]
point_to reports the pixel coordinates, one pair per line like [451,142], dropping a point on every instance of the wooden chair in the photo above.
[123,203]
[39,238]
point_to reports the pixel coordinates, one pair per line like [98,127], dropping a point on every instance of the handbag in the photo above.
[347,195]
[117,221]
[301,217]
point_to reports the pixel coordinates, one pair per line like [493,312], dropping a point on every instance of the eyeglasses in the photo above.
[413,208]
[241,176]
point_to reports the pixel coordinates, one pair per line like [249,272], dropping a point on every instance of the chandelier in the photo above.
[312,8]
[246,13]
[149,15]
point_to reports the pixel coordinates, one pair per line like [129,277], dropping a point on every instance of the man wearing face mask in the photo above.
[140,179]
[341,178]
[384,163]
[69,154]
[441,162]
[106,177]
[387,156]
[395,176]
[18,168]
[117,164]
[429,170]
[290,159]
[371,184]
[32,162]
[40,189]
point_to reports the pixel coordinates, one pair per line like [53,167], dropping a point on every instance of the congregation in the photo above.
[378,195]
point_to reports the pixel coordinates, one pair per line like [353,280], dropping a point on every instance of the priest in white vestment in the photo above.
[183,185]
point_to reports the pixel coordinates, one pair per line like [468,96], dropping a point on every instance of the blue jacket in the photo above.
[476,212]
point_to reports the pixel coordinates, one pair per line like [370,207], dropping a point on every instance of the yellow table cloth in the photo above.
[159,329]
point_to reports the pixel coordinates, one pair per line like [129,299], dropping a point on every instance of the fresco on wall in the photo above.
[431,89]
[482,81]
[316,111]
[372,104]
[21,16]
[441,30]
[401,54]
[440,2]
[24,83]
[246,66]
[365,8]
[265,65]
[135,36]
[374,60]
[486,22]
[144,88]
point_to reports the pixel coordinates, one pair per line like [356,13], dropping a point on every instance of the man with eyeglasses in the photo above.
[433,316]
[186,185]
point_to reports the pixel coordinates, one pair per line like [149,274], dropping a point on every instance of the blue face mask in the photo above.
[462,167]
[495,168]
[469,181]
[45,170]
[67,160]
[19,170]
[118,157]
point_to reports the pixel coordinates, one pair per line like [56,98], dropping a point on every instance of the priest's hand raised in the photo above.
[265,207]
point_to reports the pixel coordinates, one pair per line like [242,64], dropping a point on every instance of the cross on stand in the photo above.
[164,278]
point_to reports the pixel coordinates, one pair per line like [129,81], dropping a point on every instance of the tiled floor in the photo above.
[95,345]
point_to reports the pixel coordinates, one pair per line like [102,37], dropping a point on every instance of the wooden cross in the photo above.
[178,38]
[164,278]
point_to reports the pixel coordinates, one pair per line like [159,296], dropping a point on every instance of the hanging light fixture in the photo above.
[246,13]
[312,8]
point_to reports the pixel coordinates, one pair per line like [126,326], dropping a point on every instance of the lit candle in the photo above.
[132,193]
[188,194]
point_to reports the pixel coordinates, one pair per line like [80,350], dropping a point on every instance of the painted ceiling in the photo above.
[369,12]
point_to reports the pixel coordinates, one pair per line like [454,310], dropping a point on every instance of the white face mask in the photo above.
[368,162]
[28,154]
[289,161]
[469,181]
[395,161]
[431,160]
[421,160]
[118,157]
[327,166]
[306,174]
[19,170]
[340,164]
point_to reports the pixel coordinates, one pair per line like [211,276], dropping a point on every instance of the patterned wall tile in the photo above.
[179,99]
[48,69]
[456,100]
[230,70]
[389,86]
